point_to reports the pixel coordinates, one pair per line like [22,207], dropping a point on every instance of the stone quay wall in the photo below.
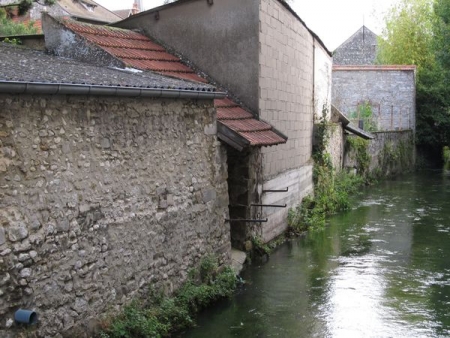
[391,153]
[100,198]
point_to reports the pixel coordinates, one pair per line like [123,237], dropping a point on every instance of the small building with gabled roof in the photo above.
[81,10]
[359,49]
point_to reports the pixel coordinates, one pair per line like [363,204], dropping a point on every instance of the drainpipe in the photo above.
[314,79]
[17,87]
[27,317]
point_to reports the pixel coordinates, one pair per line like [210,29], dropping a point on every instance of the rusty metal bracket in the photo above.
[284,190]
[247,220]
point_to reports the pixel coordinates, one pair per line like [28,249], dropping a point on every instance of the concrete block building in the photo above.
[266,58]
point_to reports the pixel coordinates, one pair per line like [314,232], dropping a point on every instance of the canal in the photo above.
[381,269]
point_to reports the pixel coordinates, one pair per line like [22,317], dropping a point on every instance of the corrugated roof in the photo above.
[138,51]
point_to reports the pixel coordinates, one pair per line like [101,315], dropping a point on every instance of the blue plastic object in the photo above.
[25,317]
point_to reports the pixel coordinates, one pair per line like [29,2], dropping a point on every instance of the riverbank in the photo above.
[382,268]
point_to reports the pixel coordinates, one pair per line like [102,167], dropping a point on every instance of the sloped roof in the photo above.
[237,126]
[23,65]
[77,9]
[123,13]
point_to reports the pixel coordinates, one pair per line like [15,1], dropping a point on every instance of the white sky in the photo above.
[332,20]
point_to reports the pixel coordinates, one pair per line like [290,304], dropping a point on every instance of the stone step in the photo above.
[237,260]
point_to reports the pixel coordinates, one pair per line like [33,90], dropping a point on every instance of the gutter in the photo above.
[18,87]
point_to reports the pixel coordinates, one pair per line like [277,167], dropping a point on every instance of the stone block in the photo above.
[2,236]
[209,195]
[17,233]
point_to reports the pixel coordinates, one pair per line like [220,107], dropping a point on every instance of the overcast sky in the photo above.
[332,20]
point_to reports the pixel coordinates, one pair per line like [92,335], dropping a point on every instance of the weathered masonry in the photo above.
[390,91]
[106,188]
[359,49]
[264,55]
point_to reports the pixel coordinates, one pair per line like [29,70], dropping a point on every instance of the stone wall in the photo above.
[336,145]
[389,90]
[391,153]
[100,198]
[359,49]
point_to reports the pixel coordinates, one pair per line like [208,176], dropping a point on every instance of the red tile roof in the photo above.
[138,51]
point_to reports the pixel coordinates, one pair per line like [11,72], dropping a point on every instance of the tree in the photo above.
[418,32]
[25,5]
[9,27]
[407,37]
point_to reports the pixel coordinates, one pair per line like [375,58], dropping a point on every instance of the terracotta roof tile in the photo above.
[138,51]
[141,54]
[226,102]
[263,138]
[247,125]
[232,113]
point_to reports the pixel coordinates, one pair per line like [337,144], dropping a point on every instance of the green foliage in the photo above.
[365,114]
[358,147]
[9,27]
[407,37]
[446,157]
[260,247]
[331,191]
[159,316]
[446,154]
[12,41]
[418,32]
[396,157]
[25,5]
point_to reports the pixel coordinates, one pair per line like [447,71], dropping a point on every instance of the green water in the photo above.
[379,270]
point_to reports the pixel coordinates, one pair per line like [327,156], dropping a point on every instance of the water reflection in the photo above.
[380,270]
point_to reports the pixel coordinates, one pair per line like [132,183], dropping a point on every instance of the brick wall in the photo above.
[100,198]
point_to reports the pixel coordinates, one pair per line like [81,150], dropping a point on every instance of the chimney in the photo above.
[137,7]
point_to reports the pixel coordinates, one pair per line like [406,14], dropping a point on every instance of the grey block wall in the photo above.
[389,90]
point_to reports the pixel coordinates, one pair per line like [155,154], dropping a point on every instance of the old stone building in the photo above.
[111,181]
[264,55]
[387,90]
[81,10]
[113,173]
[378,97]
[359,49]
